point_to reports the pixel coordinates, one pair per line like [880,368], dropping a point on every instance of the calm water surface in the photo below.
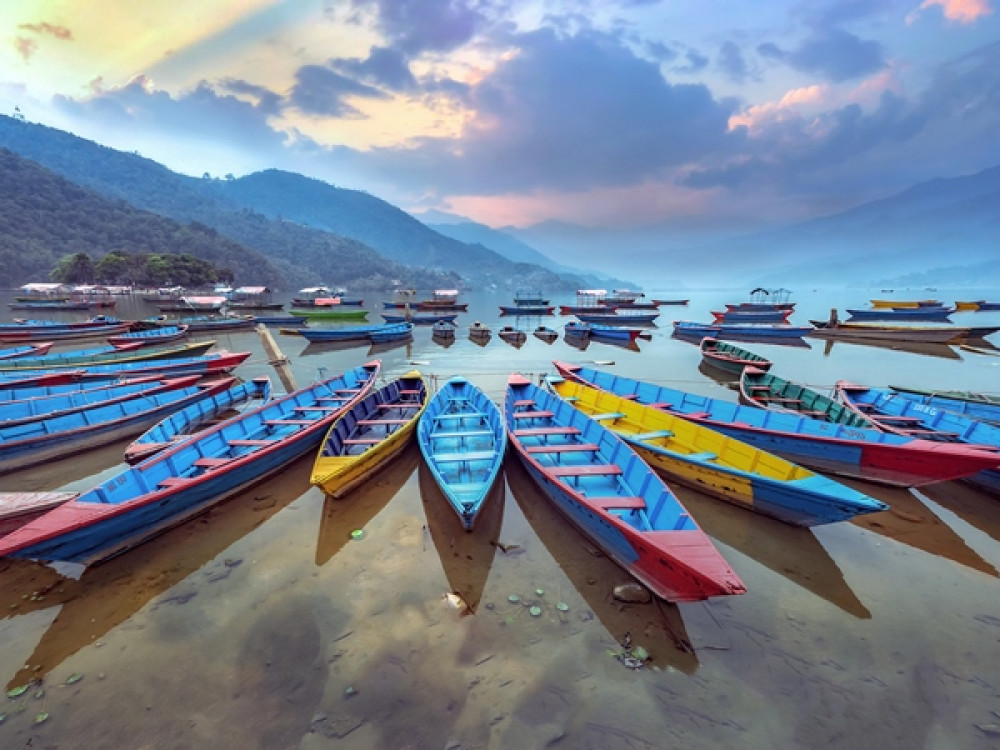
[263,624]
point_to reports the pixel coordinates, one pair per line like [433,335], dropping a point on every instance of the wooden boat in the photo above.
[738,331]
[751,316]
[982,406]
[848,331]
[31,443]
[150,336]
[767,391]
[189,477]
[528,302]
[618,333]
[23,324]
[253,298]
[18,508]
[212,303]
[546,334]
[514,336]
[392,332]
[901,416]
[206,364]
[330,313]
[462,437]
[443,300]
[618,318]
[903,303]
[444,329]
[729,357]
[109,356]
[401,300]
[419,319]
[197,416]
[351,333]
[67,400]
[925,312]
[762,299]
[307,297]
[719,465]
[479,330]
[28,350]
[871,455]
[612,496]
[26,334]
[214,323]
[369,434]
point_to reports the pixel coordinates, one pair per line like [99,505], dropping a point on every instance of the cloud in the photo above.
[384,66]
[416,26]
[268,102]
[48,29]
[25,47]
[732,62]
[960,11]
[321,91]
[566,113]
[834,54]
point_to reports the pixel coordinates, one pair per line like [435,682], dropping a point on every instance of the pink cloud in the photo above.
[25,47]
[49,29]
[962,11]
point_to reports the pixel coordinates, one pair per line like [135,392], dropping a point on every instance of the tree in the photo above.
[74,269]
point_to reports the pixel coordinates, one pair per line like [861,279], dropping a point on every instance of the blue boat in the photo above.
[205,364]
[867,454]
[374,332]
[901,416]
[150,336]
[921,312]
[48,406]
[280,320]
[30,443]
[611,495]
[690,329]
[420,319]
[392,332]
[108,355]
[619,318]
[28,350]
[189,477]
[576,328]
[985,408]
[195,417]
[462,437]
[618,333]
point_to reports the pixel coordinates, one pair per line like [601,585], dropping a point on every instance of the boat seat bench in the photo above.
[541,431]
[460,415]
[542,414]
[460,434]
[615,502]
[370,422]
[524,403]
[208,462]
[585,470]
[244,442]
[443,458]
[704,456]
[610,415]
[652,435]
[571,448]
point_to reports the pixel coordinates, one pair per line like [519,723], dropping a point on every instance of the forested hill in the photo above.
[44,216]
[312,231]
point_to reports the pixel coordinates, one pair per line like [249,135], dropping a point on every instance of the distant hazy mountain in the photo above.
[516,250]
[432,216]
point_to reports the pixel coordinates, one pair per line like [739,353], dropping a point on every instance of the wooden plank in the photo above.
[614,502]
[277,359]
[571,448]
[244,441]
[460,434]
[537,431]
[585,470]
[370,422]
[444,458]
[208,462]
[542,414]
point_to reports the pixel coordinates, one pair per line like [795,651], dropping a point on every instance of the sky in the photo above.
[603,113]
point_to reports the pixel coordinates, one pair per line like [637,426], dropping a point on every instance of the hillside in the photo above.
[313,232]
[44,216]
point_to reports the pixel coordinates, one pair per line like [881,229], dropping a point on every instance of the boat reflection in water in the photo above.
[791,551]
[108,594]
[975,507]
[577,341]
[353,511]
[929,350]
[914,524]
[466,556]
[657,626]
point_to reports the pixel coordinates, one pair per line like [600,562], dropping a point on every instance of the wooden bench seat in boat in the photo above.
[460,434]
[288,421]
[540,431]
[585,470]
[542,414]
[524,403]
[652,435]
[370,422]
[610,415]
[208,462]
[615,502]
[445,458]
[172,481]
[460,415]
[247,441]
[571,448]
[704,456]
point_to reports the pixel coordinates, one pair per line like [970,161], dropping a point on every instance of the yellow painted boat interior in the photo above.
[652,432]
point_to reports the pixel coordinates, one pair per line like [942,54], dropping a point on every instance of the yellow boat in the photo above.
[718,465]
[371,433]
[883,303]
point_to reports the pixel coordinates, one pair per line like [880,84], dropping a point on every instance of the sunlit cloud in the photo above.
[960,11]
[48,29]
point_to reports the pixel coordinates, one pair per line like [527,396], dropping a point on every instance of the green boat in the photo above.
[767,391]
[330,313]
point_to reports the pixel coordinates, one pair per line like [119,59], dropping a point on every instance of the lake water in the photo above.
[264,624]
